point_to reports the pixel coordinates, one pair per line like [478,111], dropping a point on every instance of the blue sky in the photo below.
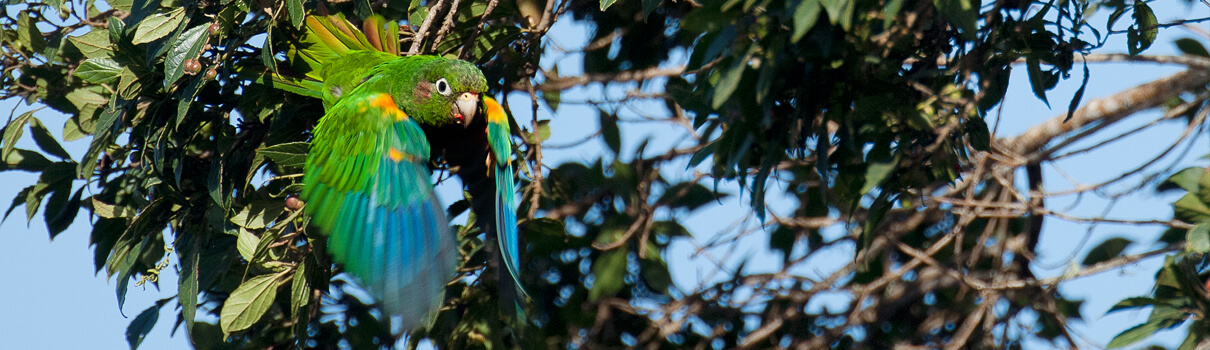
[55,301]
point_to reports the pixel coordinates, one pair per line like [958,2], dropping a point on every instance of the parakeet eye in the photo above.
[443,87]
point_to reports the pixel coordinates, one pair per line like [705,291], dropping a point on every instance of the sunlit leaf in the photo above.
[99,70]
[805,16]
[186,47]
[1186,179]
[158,26]
[249,302]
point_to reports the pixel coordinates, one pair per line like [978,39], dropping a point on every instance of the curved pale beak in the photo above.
[468,106]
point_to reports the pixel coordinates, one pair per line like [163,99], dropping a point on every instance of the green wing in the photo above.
[367,187]
[332,56]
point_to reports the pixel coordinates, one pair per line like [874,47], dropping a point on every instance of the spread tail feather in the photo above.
[327,38]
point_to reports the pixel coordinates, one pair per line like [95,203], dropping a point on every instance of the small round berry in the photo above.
[293,203]
[192,66]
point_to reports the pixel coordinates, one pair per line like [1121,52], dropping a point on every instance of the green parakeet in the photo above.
[367,176]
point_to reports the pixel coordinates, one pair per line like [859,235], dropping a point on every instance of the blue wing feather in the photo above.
[367,187]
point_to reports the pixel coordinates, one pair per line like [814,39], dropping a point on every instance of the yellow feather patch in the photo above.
[387,104]
[495,112]
[395,155]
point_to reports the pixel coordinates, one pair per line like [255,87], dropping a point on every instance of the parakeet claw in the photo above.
[468,105]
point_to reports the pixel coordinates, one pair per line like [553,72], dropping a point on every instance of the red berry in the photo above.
[293,203]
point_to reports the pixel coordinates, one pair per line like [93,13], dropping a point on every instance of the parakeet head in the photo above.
[435,91]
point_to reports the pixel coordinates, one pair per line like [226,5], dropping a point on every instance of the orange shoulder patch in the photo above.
[387,104]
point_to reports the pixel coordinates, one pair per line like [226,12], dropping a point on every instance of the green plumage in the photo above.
[367,177]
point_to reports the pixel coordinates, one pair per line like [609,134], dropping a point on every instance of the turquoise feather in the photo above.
[367,188]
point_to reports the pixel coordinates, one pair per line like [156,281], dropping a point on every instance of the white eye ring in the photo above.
[443,87]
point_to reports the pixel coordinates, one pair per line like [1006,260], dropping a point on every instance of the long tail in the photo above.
[505,223]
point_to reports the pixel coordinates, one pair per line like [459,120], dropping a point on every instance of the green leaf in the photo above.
[100,70]
[1163,316]
[655,270]
[259,214]
[609,131]
[185,99]
[129,85]
[297,15]
[1131,303]
[978,134]
[543,131]
[688,195]
[290,155]
[1109,249]
[189,250]
[13,132]
[300,290]
[142,324]
[1037,81]
[122,262]
[60,210]
[93,44]
[552,99]
[609,272]
[46,141]
[266,56]
[1075,100]
[1192,47]
[110,211]
[889,12]
[103,135]
[249,302]
[28,34]
[19,199]
[606,3]
[840,12]
[880,164]
[648,7]
[246,244]
[701,154]
[1140,36]
[877,211]
[998,80]
[805,16]
[186,47]
[1186,179]
[1197,239]
[962,14]
[1133,335]
[25,160]
[1203,187]
[729,80]
[117,29]
[1190,209]
[158,26]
